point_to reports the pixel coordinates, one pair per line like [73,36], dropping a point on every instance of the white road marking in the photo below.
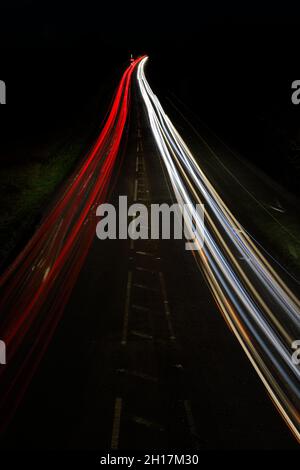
[116,424]
[147,423]
[140,334]
[46,273]
[145,253]
[190,418]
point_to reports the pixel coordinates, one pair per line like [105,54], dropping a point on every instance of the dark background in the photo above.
[232,63]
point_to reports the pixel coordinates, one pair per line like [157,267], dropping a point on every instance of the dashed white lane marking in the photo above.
[147,423]
[46,273]
[145,253]
[127,306]
[140,334]
[116,424]
[190,418]
[166,306]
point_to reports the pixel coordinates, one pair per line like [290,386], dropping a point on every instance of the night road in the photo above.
[141,344]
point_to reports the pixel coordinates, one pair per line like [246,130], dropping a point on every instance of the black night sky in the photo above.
[234,65]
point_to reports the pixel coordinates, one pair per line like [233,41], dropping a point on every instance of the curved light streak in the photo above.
[258,306]
[37,285]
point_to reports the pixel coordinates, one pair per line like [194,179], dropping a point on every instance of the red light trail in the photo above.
[37,286]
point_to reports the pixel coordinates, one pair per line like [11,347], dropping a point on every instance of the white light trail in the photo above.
[262,311]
